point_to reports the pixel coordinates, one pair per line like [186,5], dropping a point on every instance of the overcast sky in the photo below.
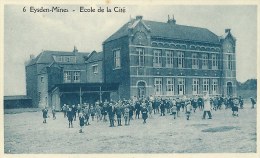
[29,33]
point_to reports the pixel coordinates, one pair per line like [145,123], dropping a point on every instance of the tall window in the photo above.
[230,66]
[157,58]
[181,86]
[214,61]
[67,76]
[205,85]
[117,59]
[140,59]
[205,59]
[195,86]
[170,86]
[180,59]
[195,61]
[95,68]
[158,86]
[76,76]
[214,86]
[169,58]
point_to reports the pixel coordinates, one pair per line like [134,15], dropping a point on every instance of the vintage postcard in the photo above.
[134,79]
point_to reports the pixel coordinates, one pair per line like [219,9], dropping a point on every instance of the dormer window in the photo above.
[65,59]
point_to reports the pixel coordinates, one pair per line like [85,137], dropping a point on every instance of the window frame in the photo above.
[158,86]
[76,74]
[205,85]
[194,61]
[95,69]
[170,86]
[181,84]
[195,86]
[141,56]
[117,59]
[205,61]
[66,75]
[157,58]
[180,59]
[214,86]
[169,58]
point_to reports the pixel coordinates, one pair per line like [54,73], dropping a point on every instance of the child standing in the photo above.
[53,112]
[118,114]
[253,103]
[126,115]
[111,114]
[70,115]
[144,113]
[235,107]
[81,122]
[86,113]
[188,110]
[92,112]
[162,108]
[207,107]
[64,109]
[150,108]
[44,114]
[174,111]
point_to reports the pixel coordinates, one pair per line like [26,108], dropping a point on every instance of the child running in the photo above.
[188,109]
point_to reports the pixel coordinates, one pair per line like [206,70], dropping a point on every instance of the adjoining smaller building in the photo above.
[17,101]
[55,78]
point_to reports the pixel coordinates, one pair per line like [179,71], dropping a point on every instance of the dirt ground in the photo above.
[25,133]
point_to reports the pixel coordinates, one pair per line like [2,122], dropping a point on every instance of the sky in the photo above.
[27,33]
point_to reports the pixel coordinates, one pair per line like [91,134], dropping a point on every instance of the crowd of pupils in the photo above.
[115,111]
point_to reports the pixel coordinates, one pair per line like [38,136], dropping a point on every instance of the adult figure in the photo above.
[207,106]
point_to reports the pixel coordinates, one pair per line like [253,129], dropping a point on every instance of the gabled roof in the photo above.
[170,31]
[226,35]
[95,56]
[46,57]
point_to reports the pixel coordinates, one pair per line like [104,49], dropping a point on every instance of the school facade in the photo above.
[143,58]
[149,58]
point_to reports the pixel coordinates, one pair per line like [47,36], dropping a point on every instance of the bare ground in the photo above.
[25,133]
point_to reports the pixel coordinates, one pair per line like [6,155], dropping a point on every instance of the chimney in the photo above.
[139,17]
[227,30]
[171,21]
[32,56]
[75,50]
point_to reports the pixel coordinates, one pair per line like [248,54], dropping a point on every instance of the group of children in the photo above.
[127,109]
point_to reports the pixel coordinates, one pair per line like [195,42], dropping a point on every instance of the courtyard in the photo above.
[24,133]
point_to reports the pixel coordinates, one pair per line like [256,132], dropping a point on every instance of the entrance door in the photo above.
[229,89]
[141,89]
[181,86]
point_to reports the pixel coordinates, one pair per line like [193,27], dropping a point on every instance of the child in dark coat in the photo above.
[81,122]
[118,114]
[144,113]
[44,114]
[111,114]
[70,115]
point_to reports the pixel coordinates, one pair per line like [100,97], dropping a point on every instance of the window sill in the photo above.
[117,68]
